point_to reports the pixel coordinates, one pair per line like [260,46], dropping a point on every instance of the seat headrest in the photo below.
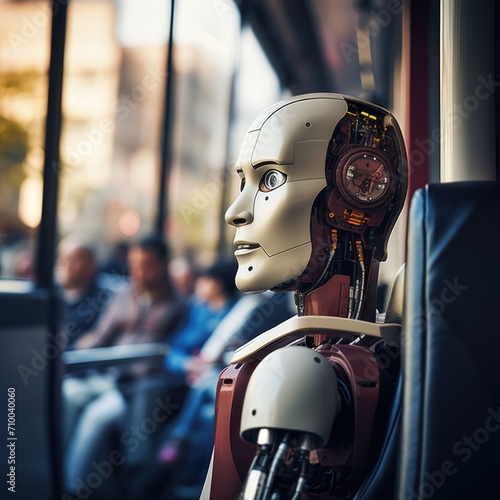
[394,313]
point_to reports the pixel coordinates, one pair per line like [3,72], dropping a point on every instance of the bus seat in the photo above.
[451,396]
[394,312]
[29,360]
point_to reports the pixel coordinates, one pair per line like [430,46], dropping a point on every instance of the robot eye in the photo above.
[242,184]
[272,179]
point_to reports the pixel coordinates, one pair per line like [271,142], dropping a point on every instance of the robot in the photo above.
[323,180]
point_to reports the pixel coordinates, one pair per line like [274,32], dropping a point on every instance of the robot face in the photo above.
[282,171]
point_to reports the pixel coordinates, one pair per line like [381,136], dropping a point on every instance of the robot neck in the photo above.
[335,298]
[343,296]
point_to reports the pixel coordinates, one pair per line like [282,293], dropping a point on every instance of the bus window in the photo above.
[114,79]
[207,37]
[113,102]
[24,61]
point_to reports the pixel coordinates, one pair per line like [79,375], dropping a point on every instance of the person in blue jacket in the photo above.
[214,295]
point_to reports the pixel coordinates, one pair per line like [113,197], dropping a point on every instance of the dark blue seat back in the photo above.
[450,441]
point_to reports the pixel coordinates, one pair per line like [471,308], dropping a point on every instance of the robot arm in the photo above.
[286,414]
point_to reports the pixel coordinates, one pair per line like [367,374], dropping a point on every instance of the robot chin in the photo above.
[258,272]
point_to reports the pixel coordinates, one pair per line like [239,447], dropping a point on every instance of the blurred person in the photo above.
[130,404]
[214,295]
[76,271]
[147,310]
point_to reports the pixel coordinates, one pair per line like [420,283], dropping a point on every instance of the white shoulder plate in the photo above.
[296,327]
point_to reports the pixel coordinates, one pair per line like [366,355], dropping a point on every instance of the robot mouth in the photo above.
[243,248]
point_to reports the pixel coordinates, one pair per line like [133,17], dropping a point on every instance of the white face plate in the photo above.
[282,168]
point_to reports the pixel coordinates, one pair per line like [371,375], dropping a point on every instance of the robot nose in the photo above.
[238,219]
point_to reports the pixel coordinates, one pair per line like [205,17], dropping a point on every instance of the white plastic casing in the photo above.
[291,137]
[293,388]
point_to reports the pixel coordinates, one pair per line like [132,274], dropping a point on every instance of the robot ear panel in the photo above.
[363,184]
[366,171]
[364,179]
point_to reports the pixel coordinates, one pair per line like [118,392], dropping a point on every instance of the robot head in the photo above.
[312,168]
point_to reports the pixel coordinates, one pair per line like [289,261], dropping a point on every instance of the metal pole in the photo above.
[468,91]
[47,230]
[167,133]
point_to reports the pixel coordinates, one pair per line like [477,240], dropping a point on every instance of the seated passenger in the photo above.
[146,311]
[214,295]
[103,425]
[85,300]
